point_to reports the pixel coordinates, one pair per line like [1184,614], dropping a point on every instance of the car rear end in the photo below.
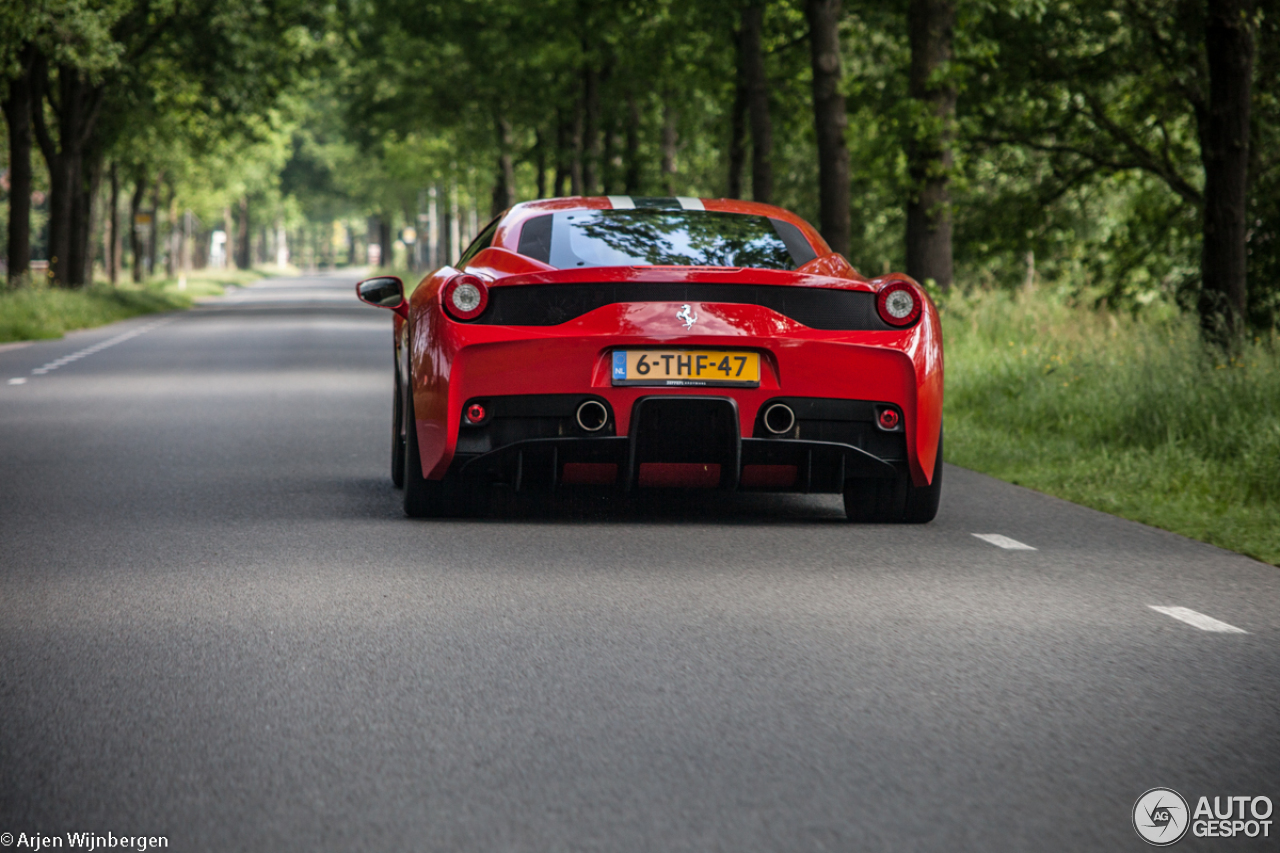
[657,375]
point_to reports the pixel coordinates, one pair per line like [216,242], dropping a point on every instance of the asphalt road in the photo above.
[216,626]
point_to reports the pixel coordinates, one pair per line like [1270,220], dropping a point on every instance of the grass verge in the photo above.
[1129,415]
[37,311]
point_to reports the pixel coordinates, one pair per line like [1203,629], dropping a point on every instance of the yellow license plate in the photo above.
[685,367]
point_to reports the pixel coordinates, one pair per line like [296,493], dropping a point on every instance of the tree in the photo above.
[76,34]
[1223,121]
[118,60]
[929,156]
[1162,87]
[830,121]
[17,114]
[756,86]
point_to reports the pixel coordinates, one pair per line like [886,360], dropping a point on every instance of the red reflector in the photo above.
[589,474]
[889,419]
[768,476]
[475,413]
[681,475]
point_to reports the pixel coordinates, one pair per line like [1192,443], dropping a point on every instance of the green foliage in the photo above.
[1128,414]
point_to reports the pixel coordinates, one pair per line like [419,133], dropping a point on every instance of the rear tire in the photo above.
[922,501]
[397,437]
[895,499]
[879,500]
[423,498]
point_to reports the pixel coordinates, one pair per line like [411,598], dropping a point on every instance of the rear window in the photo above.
[610,238]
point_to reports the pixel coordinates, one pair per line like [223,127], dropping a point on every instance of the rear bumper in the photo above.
[690,441]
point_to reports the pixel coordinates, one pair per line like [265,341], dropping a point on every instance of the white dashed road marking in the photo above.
[98,347]
[1004,542]
[1191,617]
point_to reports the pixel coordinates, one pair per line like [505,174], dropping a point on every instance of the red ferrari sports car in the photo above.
[664,342]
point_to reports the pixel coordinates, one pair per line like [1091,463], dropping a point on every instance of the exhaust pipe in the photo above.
[592,416]
[779,419]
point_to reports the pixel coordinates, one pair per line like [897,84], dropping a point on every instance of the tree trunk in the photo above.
[135,239]
[540,162]
[75,107]
[504,179]
[242,254]
[564,155]
[17,114]
[154,237]
[738,124]
[1224,149]
[575,162]
[80,269]
[670,139]
[189,241]
[757,102]
[448,216]
[632,178]
[171,264]
[384,240]
[113,227]
[610,162]
[829,119]
[929,157]
[591,130]
[102,228]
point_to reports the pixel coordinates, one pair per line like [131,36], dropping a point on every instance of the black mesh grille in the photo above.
[553,304]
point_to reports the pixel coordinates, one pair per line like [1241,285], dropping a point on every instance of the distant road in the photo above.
[216,626]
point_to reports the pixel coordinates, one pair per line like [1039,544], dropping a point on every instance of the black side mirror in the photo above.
[385,291]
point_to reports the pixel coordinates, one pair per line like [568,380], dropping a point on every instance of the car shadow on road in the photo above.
[374,499]
[653,506]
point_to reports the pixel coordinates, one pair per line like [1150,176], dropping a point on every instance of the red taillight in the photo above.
[889,419]
[475,413]
[466,296]
[899,304]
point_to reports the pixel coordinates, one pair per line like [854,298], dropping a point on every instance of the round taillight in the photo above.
[889,419]
[475,413]
[899,304]
[466,296]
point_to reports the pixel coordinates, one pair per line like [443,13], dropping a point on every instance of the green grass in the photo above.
[1129,415]
[36,311]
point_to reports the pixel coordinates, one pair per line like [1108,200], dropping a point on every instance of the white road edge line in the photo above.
[1199,620]
[98,347]
[1001,541]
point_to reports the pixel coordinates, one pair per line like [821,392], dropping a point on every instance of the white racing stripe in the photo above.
[690,203]
[1004,542]
[622,202]
[98,347]
[1192,617]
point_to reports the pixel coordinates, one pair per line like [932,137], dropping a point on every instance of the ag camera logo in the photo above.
[1160,817]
